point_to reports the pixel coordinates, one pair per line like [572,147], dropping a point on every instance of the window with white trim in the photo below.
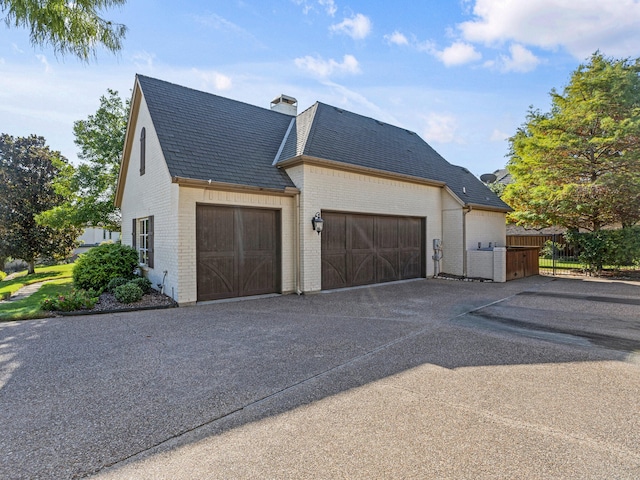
[143,241]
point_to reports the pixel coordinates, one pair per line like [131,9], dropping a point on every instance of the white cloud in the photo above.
[16,48]
[580,27]
[326,68]
[330,6]
[521,60]
[217,80]
[441,128]
[357,27]
[498,136]
[43,61]
[457,53]
[143,60]
[396,38]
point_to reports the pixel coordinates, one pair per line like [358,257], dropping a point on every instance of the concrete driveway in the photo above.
[537,378]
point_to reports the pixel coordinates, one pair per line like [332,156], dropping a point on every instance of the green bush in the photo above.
[116,282]
[2,275]
[98,266]
[143,283]
[128,293]
[614,248]
[76,300]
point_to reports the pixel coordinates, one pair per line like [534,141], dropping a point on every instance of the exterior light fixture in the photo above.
[318,223]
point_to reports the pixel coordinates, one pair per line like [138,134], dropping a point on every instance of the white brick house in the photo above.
[218,197]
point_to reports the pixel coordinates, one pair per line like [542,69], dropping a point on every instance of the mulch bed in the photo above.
[108,304]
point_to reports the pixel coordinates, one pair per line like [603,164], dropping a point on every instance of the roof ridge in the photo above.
[202,92]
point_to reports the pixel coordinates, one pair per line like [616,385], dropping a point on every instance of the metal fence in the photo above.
[558,257]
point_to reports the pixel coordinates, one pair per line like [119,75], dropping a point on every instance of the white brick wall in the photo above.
[189,197]
[329,189]
[485,227]
[152,194]
[452,235]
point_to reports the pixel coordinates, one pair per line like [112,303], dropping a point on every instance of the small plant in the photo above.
[78,299]
[2,275]
[116,282]
[143,283]
[128,293]
[99,265]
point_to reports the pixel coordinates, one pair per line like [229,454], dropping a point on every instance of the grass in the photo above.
[29,307]
[59,282]
[576,265]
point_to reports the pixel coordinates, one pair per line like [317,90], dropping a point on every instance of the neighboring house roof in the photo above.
[522,231]
[208,137]
[503,176]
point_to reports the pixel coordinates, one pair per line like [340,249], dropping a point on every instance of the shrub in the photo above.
[99,265]
[76,300]
[116,282]
[128,293]
[143,283]
[607,247]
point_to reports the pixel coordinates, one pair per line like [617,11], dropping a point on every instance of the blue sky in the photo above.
[461,74]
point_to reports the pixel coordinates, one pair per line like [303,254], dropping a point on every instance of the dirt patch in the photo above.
[107,303]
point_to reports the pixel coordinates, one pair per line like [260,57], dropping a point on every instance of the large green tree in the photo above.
[70,27]
[89,189]
[578,166]
[27,171]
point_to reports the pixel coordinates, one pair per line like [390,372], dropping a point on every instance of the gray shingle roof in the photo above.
[204,136]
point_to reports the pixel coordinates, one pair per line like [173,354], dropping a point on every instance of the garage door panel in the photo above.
[258,275]
[335,233]
[410,264]
[361,232]
[386,232]
[362,249]
[237,251]
[410,233]
[216,276]
[334,268]
[362,268]
[387,266]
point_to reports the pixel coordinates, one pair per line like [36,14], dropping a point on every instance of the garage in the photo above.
[362,249]
[237,251]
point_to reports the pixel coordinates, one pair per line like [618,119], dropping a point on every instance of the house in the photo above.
[93,236]
[218,197]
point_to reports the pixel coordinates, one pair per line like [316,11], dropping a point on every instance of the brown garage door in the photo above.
[237,251]
[365,249]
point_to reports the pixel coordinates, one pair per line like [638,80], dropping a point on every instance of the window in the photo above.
[143,240]
[143,150]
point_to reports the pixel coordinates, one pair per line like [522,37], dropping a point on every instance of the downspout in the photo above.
[464,239]
[298,237]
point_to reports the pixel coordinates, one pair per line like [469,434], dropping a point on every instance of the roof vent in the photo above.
[285,104]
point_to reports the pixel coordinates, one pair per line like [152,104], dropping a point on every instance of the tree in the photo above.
[27,171]
[90,188]
[578,166]
[69,27]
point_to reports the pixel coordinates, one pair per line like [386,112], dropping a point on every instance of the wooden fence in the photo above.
[522,262]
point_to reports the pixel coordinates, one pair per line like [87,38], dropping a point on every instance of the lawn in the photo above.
[58,280]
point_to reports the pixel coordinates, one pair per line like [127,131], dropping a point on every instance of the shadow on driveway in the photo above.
[81,394]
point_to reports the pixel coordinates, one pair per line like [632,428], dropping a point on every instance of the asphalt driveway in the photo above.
[537,378]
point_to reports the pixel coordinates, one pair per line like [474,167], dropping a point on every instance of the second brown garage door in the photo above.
[364,249]
[237,251]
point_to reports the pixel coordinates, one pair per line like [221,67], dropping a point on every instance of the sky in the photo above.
[461,73]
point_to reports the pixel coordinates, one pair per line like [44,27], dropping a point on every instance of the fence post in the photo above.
[553,254]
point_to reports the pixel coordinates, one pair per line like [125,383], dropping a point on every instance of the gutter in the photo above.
[233,187]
